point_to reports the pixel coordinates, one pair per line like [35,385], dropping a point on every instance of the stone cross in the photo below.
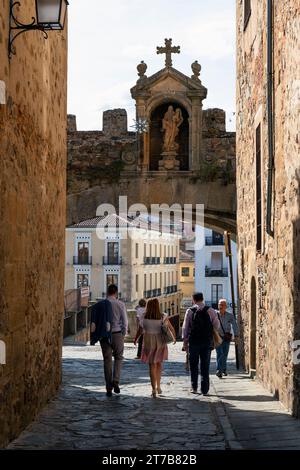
[168,50]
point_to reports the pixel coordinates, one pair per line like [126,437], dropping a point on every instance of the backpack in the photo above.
[202,327]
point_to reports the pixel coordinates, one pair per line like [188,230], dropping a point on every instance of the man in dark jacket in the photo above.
[101,319]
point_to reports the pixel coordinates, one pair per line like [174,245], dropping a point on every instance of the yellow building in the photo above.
[142,262]
[187,277]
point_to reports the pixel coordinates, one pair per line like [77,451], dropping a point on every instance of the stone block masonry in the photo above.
[32,212]
[269,276]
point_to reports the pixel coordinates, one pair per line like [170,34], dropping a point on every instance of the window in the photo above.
[113,252]
[216,294]
[216,260]
[136,250]
[247,12]
[137,283]
[185,272]
[82,280]
[112,279]
[258,190]
[83,252]
[217,238]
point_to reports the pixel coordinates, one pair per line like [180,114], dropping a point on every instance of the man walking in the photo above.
[198,326]
[227,321]
[113,347]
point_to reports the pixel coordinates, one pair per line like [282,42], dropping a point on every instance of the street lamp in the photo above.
[50,15]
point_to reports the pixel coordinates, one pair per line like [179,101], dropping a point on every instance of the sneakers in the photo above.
[219,374]
[117,388]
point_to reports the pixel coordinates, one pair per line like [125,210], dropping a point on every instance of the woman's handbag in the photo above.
[217,339]
[166,333]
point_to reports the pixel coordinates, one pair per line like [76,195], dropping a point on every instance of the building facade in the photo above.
[32,211]
[187,276]
[143,263]
[268,212]
[212,275]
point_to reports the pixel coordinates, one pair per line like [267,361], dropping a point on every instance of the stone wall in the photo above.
[32,211]
[275,271]
[100,163]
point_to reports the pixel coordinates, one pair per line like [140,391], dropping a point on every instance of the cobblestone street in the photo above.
[237,414]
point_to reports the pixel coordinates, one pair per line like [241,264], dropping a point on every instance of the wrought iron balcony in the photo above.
[151,260]
[223,272]
[149,294]
[156,292]
[112,261]
[170,260]
[170,290]
[82,260]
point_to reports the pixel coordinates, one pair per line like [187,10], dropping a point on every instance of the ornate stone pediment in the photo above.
[168,80]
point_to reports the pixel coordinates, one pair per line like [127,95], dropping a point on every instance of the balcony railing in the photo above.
[212,241]
[112,261]
[170,260]
[216,272]
[149,294]
[156,292]
[151,260]
[82,260]
[170,290]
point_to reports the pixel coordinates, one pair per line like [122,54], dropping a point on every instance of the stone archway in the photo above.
[155,131]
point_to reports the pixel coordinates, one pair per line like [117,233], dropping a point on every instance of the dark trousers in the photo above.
[140,345]
[199,352]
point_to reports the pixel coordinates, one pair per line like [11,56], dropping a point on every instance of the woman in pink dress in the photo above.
[155,349]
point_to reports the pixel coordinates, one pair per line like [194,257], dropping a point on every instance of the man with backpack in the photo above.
[198,326]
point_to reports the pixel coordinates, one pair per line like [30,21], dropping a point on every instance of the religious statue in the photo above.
[170,125]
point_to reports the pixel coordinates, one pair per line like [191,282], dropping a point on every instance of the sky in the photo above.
[108,39]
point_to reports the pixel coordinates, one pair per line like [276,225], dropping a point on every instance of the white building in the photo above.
[212,268]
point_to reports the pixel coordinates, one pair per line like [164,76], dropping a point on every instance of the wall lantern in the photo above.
[50,15]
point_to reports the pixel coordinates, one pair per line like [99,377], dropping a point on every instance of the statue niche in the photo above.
[170,125]
[169,138]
